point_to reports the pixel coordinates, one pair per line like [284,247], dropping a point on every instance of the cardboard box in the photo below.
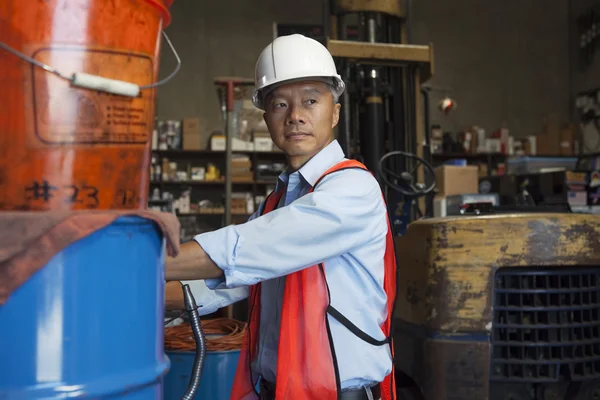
[578,198]
[567,136]
[439,206]
[262,141]
[218,143]
[483,170]
[548,142]
[191,126]
[451,180]
[576,178]
[242,145]
[263,144]
[191,134]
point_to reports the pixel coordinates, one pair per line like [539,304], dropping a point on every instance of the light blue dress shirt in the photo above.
[343,224]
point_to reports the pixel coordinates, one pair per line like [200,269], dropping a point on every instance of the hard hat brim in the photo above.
[260,94]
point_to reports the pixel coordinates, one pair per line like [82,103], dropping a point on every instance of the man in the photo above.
[316,260]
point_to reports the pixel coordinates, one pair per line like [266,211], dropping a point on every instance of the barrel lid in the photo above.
[163,6]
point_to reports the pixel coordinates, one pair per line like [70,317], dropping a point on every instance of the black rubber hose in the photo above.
[200,339]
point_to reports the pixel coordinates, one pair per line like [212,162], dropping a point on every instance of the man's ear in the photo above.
[336,115]
[267,123]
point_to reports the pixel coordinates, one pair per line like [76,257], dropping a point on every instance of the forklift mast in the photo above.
[382,111]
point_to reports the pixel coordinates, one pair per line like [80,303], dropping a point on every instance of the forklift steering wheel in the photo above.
[404,182]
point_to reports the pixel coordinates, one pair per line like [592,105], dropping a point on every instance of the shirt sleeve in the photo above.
[210,300]
[345,210]
[211,294]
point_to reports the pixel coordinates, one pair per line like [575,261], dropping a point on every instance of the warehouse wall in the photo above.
[220,38]
[506,62]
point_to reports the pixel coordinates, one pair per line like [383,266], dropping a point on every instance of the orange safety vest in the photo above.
[306,365]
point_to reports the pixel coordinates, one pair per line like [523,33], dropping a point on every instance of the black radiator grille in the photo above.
[546,325]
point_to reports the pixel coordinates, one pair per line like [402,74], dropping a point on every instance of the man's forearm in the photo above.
[192,263]
[174,296]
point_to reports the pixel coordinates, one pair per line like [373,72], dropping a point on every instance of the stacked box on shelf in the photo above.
[192,139]
[576,183]
[242,203]
[263,141]
[218,143]
[241,169]
[453,180]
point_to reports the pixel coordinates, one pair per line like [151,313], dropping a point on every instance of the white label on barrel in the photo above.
[65,115]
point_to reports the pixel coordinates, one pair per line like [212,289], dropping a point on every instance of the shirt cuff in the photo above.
[222,246]
[216,283]
[205,299]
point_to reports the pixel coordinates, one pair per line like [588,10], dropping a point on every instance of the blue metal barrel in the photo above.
[217,374]
[90,323]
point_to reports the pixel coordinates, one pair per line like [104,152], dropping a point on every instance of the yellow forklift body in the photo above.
[449,284]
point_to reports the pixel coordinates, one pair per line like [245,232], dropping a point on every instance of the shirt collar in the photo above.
[329,156]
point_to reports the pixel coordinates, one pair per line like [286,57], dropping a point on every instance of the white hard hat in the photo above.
[292,58]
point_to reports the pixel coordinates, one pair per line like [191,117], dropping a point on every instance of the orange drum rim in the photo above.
[163,5]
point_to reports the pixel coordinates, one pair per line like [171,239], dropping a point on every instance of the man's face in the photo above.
[301,117]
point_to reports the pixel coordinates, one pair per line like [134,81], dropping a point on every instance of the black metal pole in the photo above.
[373,135]
[345,115]
[427,149]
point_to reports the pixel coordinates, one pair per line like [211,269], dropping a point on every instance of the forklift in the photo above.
[500,307]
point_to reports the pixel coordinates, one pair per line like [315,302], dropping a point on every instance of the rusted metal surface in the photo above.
[379,51]
[391,7]
[447,265]
[385,54]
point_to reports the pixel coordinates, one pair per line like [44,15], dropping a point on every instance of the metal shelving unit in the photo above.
[256,186]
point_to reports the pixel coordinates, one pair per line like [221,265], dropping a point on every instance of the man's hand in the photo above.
[174,296]
[192,263]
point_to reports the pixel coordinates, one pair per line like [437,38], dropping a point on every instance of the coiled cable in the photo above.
[228,334]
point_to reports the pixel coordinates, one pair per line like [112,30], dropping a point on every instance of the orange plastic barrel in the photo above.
[62,147]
